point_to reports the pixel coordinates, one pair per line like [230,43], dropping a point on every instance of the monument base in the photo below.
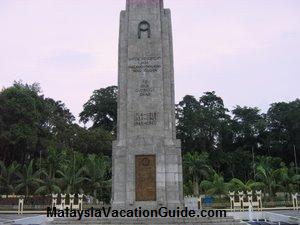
[147,173]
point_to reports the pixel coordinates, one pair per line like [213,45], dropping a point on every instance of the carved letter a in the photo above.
[143,27]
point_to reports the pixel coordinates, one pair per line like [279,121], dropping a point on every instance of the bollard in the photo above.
[63,201]
[241,200]
[80,199]
[21,205]
[71,200]
[295,201]
[231,196]
[259,199]
[54,200]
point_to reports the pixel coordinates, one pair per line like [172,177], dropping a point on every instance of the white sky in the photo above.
[248,51]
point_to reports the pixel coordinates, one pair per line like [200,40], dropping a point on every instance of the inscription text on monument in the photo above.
[145,89]
[143,119]
[144,64]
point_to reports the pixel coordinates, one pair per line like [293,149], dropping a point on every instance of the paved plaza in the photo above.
[42,219]
[23,219]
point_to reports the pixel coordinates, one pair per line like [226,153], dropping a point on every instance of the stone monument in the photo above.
[147,164]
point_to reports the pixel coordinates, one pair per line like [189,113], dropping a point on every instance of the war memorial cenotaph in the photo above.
[146,157]
[147,163]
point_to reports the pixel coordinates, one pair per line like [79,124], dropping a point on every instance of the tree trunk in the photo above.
[196,186]
[95,195]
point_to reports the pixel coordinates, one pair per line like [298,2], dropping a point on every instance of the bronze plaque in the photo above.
[145,178]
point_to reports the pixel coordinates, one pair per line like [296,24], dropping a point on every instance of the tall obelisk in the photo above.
[147,164]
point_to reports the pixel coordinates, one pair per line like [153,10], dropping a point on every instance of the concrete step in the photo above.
[149,221]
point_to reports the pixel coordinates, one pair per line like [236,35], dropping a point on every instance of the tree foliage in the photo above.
[43,149]
[30,124]
[101,109]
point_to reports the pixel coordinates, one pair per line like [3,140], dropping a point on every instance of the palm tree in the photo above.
[7,176]
[48,184]
[269,177]
[196,166]
[71,179]
[54,161]
[294,184]
[97,169]
[270,171]
[238,185]
[27,178]
[289,181]
[215,186]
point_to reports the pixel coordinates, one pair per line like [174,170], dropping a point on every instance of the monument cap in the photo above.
[144,3]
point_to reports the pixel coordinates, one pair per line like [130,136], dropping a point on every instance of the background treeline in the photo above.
[43,149]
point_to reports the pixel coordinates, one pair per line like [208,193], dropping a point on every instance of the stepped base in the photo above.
[150,221]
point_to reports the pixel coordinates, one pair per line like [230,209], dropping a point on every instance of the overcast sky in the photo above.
[248,51]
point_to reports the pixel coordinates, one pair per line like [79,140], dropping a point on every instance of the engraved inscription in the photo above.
[145,178]
[145,89]
[144,119]
[144,64]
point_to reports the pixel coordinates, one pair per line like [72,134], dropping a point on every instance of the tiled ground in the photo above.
[294,213]
[37,218]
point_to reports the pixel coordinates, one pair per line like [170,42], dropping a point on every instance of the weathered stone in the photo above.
[146,116]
